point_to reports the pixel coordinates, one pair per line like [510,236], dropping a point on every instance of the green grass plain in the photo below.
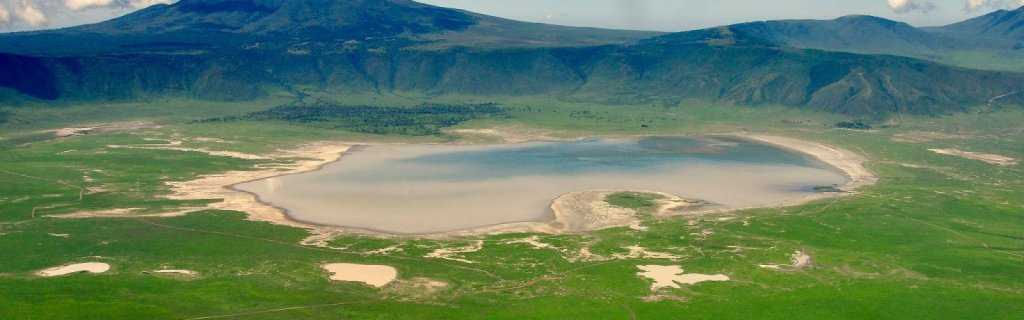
[939,237]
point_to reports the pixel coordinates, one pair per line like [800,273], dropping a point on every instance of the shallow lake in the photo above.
[423,189]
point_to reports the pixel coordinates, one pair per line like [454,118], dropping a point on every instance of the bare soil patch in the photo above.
[673,276]
[372,275]
[983,157]
[90,267]
[102,128]
[176,271]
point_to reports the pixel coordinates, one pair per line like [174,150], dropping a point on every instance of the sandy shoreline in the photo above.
[220,186]
[849,163]
[570,214]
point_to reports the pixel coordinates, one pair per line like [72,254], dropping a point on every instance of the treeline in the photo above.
[855,124]
[427,119]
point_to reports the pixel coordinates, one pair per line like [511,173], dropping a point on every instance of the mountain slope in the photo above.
[408,47]
[986,43]
[192,26]
[999,29]
[859,34]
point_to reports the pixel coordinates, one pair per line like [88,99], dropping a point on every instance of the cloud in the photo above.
[18,15]
[5,16]
[906,6]
[25,13]
[29,14]
[77,5]
[975,5]
[139,4]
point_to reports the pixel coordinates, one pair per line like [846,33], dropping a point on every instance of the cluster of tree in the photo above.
[855,124]
[427,119]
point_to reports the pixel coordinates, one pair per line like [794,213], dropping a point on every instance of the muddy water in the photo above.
[421,189]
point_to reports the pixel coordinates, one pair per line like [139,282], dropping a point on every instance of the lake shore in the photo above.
[313,156]
[848,162]
[317,155]
[851,164]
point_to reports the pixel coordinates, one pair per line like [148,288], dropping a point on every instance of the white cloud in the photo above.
[29,14]
[19,15]
[139,4]
[905,6]
[5,16]
[975,5]
[77,5]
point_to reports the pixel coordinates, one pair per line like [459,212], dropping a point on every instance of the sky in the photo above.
[660,15]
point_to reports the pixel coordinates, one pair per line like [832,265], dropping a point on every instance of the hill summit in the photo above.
[232,25]
[309,19]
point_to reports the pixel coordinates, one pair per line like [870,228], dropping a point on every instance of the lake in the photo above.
[427,189]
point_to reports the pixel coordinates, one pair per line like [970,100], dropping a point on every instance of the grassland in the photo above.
[633,200]
[938,237]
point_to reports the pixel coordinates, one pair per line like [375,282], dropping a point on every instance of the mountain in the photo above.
[991,42]
[243,50]
[729,65]
[999,29]
[191,26]
[859,34]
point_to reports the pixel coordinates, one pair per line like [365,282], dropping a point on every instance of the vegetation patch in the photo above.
[855,124]
[633,200]
[827,189]
[423,120]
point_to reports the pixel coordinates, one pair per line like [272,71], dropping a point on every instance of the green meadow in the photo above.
[937,237]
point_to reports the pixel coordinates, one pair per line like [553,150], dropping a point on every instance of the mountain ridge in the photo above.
[1001,28]
[231,25]
[853,33]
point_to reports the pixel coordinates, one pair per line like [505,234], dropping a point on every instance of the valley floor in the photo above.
[938,235]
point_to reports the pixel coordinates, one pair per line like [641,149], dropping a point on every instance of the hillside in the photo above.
[1000,29]
[201,26]
[990,42]
[251,48]
[861,34]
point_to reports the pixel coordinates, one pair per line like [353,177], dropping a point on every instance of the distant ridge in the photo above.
[1002,28]
[856,33]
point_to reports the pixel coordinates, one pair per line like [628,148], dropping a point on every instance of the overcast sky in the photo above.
[662,15]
